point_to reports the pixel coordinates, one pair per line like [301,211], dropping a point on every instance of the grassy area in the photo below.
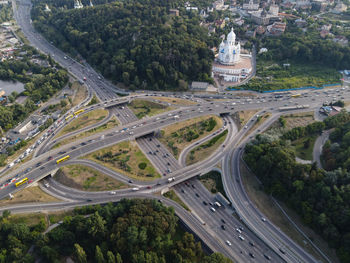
[204,150]
[142,108]
[257,122]
[245,116]
[273,76]
[109,125]
[84,120]
[32,219]
[264,203]
[291,121]
[173,196]
[126,158]
[79,95]
[179,135]
[29,195]
[175,101]
[212,181]
[86,178]
[304,146]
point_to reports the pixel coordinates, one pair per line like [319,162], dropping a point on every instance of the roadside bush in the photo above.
[142,166]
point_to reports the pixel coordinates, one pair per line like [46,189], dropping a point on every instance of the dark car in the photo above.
[205,203]
[223,227]
[197,195]
[251,254]
[193,186]
[267,257]
[63,152]
[38,164]
[251,243]
[222,220]
[49,158]
[182,191]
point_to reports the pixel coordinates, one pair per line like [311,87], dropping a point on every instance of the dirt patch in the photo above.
[178,136]
[86,178]
[264,203]
[126,158]
[29,195]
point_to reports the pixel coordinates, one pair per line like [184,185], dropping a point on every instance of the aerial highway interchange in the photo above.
[247,237]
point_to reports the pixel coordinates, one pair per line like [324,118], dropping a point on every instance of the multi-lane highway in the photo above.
[220,229]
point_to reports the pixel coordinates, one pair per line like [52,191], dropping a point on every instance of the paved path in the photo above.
[317,151]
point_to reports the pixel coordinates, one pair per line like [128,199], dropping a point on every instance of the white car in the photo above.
[228,243]
[241,238]
[263,219]
[238,230]
[112,193]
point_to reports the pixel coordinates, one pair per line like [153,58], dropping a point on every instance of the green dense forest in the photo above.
[134,231]
[135,42]
[321,198]
[5,12]
[336,152]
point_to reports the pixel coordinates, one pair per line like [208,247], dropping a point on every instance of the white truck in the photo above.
[136,189]
[171,179]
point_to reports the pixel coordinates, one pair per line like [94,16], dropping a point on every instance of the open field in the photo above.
[142,108]
[204,150]
[109,125]
[273,76]
[179,135]
[175,101]
[264,203]
[86,178]
[304,146]
[212,181]
[84,120]
[126,158]
[173,196]
[29,195]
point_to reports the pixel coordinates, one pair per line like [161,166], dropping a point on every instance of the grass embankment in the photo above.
[32,219]
[109,125]
[84,120]
[178,136]
[173,196]
[86,178]
[204,150]
[212,181]
[142,108]
[304,146]
[80,93]
[126,158]
[175,101]
[264,203]
[29,195]
[273,76]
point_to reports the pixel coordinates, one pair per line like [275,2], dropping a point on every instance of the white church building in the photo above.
[230,64]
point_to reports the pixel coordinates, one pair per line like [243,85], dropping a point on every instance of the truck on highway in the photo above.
[171,179]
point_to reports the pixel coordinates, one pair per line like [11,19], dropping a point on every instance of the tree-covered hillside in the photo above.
[135,42]
[321,198]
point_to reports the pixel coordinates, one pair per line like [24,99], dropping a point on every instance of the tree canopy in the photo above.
[135,42]
[322,198]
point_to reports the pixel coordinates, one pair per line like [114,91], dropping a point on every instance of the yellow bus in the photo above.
[69,116]
[296,95]
[78,112]
[65,158]
[23,181]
